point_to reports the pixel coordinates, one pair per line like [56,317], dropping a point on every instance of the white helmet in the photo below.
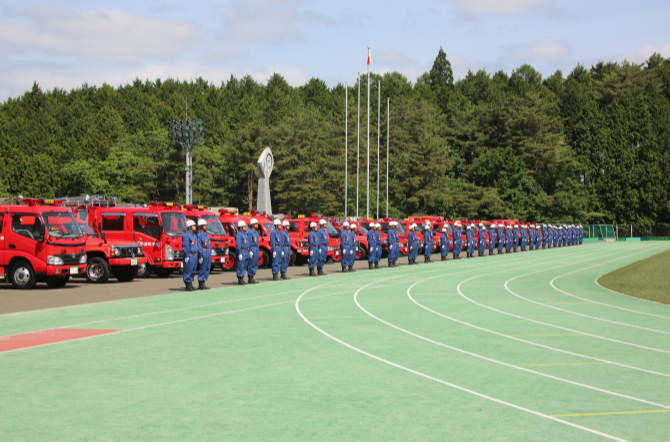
[516,226]
[493,226]
[481,224]
[202,222]
[469,227]
[444,229]
[484,228]
[427,223]
[241,224]
[345,224]
[190,223]
[393,223]
[322,221]
[379,226]
[353,225]
[253,221]
[277,222]
[312,224]
[285,223]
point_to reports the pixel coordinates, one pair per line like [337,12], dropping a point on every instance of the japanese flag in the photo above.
[369,57]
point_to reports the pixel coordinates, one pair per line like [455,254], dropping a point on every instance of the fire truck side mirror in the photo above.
[42,231]
[104,237]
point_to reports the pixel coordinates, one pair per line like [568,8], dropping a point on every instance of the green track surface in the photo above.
[646,279]
[469,350]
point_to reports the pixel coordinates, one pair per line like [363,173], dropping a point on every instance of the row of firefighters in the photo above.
[504,238]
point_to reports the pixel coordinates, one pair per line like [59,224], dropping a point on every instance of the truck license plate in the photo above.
[74,270]
[133,262]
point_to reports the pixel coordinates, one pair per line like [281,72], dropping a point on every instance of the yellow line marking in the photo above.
[551,316]
[564,363]
[558,334]
[610,413]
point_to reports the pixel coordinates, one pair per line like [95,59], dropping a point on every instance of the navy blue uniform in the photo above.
[277,251]
[444,244]
[427,243]
[313,243]
[492,241]
[501,239]
[458,242]
[254,240]
[482,241]
[286,248]
[324,239]
[394,245]
[189,244]
[242,243]
[205,250]
[413,245]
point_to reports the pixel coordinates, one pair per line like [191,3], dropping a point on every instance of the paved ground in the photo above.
[78,291]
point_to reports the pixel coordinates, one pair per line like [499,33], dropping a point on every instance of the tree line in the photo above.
[589,147]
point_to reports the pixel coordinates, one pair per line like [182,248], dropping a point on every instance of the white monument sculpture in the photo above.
[265,164]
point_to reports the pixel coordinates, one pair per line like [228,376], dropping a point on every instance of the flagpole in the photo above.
[346,145]
[379,104]
[358,142]
[388,123]
[367,211]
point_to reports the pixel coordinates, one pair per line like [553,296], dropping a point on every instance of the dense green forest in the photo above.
[590,147]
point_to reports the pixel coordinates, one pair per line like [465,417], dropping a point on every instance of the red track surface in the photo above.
[34,339]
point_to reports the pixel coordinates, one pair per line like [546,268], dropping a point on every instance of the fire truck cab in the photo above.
[40,241]
[217,233]
[158,229]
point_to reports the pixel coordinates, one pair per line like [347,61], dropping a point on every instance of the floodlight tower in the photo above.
[187,133]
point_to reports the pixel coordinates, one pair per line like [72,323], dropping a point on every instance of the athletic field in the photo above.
[518,347]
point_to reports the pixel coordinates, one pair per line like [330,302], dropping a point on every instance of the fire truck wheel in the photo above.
[264,260]
[143,270]
[361,253]
[292,259]
[229,262]
[163,273]
[57,282]
[22,276]
[98,270]
[126,274]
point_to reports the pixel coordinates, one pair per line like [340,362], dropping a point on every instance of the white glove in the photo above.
[311,253]
[274,254]
[282,253]
[390,247]
[186,260]
[410,247]
[251,254]
[200,261]
[240,257]
[351,252]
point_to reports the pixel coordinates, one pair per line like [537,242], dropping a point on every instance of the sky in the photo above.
[66,43]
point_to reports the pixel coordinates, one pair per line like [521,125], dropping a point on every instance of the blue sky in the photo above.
[69,42]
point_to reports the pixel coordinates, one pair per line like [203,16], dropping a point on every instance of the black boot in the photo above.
[376,265]
[193,289]
[321,272]
[444,258]
[240,280]
[311,272]
[202,286]
[189,287]
[351,269]
[275,276]
[369,266]
[252,279]
[344,269]
[284,277]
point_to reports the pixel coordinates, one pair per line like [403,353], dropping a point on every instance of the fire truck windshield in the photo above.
[174,223]
[214,226]
[61,225]
[332,231]
[86,230]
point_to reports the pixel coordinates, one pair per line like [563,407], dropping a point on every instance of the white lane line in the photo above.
[627,295]
[557,326]
[448,384]
[495,361]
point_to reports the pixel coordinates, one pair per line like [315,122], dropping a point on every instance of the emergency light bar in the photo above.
[228,211]
[41,201]
[194,207]
[162,204]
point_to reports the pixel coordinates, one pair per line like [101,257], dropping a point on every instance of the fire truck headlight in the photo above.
[214,252]
[54,260]
[169,253]
[82,260]
[115,251]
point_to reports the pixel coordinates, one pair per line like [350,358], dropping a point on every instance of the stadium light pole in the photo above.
[388,123]
[187,133]
[379,116]
[367,196]
[358,142]
[346,145]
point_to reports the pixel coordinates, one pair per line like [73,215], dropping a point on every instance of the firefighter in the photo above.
[190,248]
[492,238]
[581,234]
[205,252]
[427,242]
[458,240]
[394,243]
[413,242]
[378,234]
[277,250]
[444,243]
[501,238]
[352,253]
[254,250]
[469,241]
[242,242]
[509,240]
[544,236]
[346,245]
[324,239]
[515,237]
[557,236]
[372,245]
[286,246]
[482,239]
[523,238]
[531,237]
[313,243]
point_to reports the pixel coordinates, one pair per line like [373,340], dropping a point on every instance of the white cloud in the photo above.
[549,49]
[643,54]
[392,57]
[497,7]
[109,35]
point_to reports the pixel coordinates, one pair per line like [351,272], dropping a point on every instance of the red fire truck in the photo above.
[299,231]
[158,229]
[40,241]
[217,234]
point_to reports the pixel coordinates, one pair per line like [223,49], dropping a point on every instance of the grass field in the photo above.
[521,347]
[646,279]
